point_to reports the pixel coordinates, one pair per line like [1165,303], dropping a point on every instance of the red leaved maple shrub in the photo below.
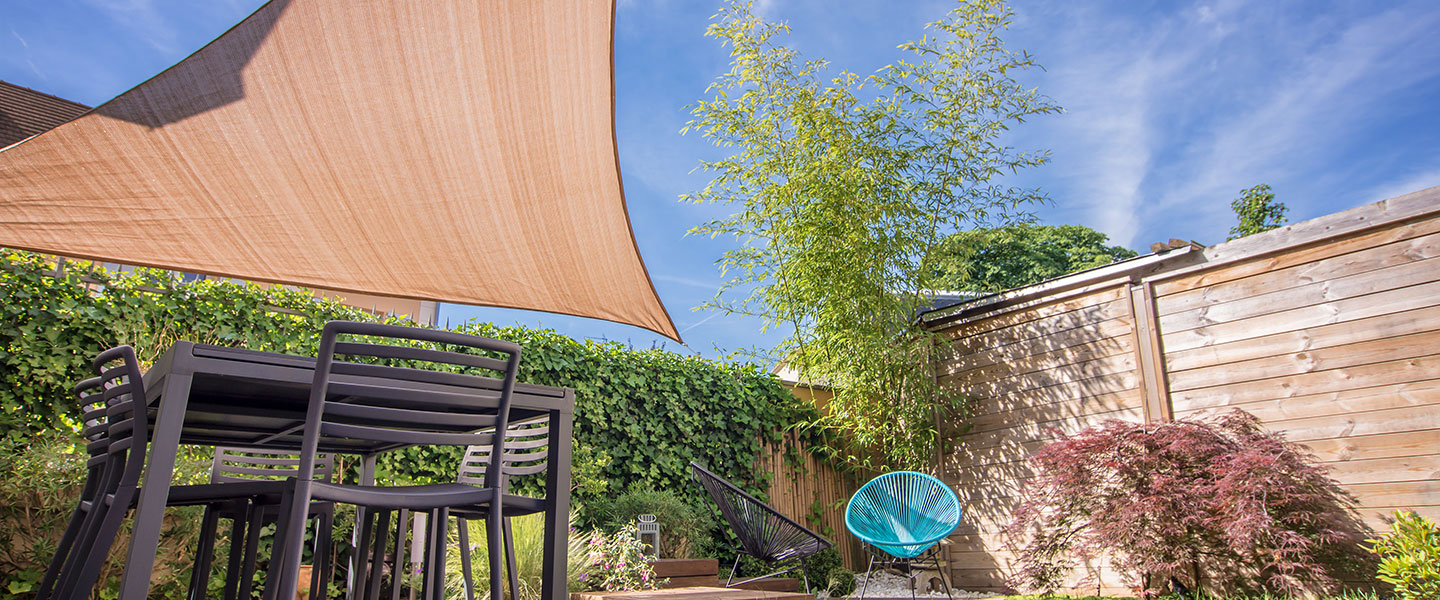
[1218,504]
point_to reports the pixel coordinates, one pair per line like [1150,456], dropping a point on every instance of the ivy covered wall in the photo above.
[641,415]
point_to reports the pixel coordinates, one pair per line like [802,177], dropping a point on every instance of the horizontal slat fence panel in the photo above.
[1400,253]
[1046,368]
[1330,335]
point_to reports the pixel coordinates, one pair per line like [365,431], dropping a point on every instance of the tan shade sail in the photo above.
[451,150]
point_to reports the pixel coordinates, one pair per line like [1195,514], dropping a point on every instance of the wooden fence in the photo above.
[1327,330]
[812,493]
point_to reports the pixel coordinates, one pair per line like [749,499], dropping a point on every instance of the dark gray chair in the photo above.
[253,480]
[526,453]
[350,399]
[116,436]
[527,450]
[763,532]
[120,389]
[95,435]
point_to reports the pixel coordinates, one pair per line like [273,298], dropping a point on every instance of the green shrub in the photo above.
[822,566]
[840,583]
[39,486]
[1410,557]
[681,525]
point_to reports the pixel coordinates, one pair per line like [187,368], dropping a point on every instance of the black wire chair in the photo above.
[362,407]
[763,532]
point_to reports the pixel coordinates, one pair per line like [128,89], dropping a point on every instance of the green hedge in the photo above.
[641,415]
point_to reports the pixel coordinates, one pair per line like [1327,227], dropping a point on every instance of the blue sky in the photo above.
[1171,109]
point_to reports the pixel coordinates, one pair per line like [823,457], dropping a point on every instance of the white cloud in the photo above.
[1170,117]
[26,50]
[1412,183]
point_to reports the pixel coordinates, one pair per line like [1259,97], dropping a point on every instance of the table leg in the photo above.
[155,489]
[557,509]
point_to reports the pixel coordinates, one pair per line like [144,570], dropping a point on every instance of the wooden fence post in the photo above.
[1149,352]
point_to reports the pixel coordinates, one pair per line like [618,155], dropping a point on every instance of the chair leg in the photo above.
[204,553]
[324,546]
[377,555]
[397,574]
[252,552]
[511,567]
[282,581]
[110,519]
[433,588]
[733,566]
[236,564]
[805,576]
[494,535]
[67,542]
[943,579]
[868,570]
[465,572]
[360,562]
[442,538]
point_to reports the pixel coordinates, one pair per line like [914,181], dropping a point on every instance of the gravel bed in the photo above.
[890,585]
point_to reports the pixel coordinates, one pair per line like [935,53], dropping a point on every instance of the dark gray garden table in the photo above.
[216,396]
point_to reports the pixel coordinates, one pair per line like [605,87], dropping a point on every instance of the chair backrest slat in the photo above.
[360,413]
[419,354]
[387,372]
[410,397]
[252,464]
[391,435]
[527,452]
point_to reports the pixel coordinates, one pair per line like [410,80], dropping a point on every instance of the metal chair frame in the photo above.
[763,532]
[902,517]
[349,409]
[116,436]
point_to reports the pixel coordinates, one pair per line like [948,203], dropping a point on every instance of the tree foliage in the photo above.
[1255,211]
[1219,504]
[842,193]
[994,259]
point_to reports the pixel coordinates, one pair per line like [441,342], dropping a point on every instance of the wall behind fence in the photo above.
[1327,330]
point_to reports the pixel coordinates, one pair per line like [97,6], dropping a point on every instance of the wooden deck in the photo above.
[693,593]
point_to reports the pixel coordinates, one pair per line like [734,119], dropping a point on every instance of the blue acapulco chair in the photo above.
[903,515]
